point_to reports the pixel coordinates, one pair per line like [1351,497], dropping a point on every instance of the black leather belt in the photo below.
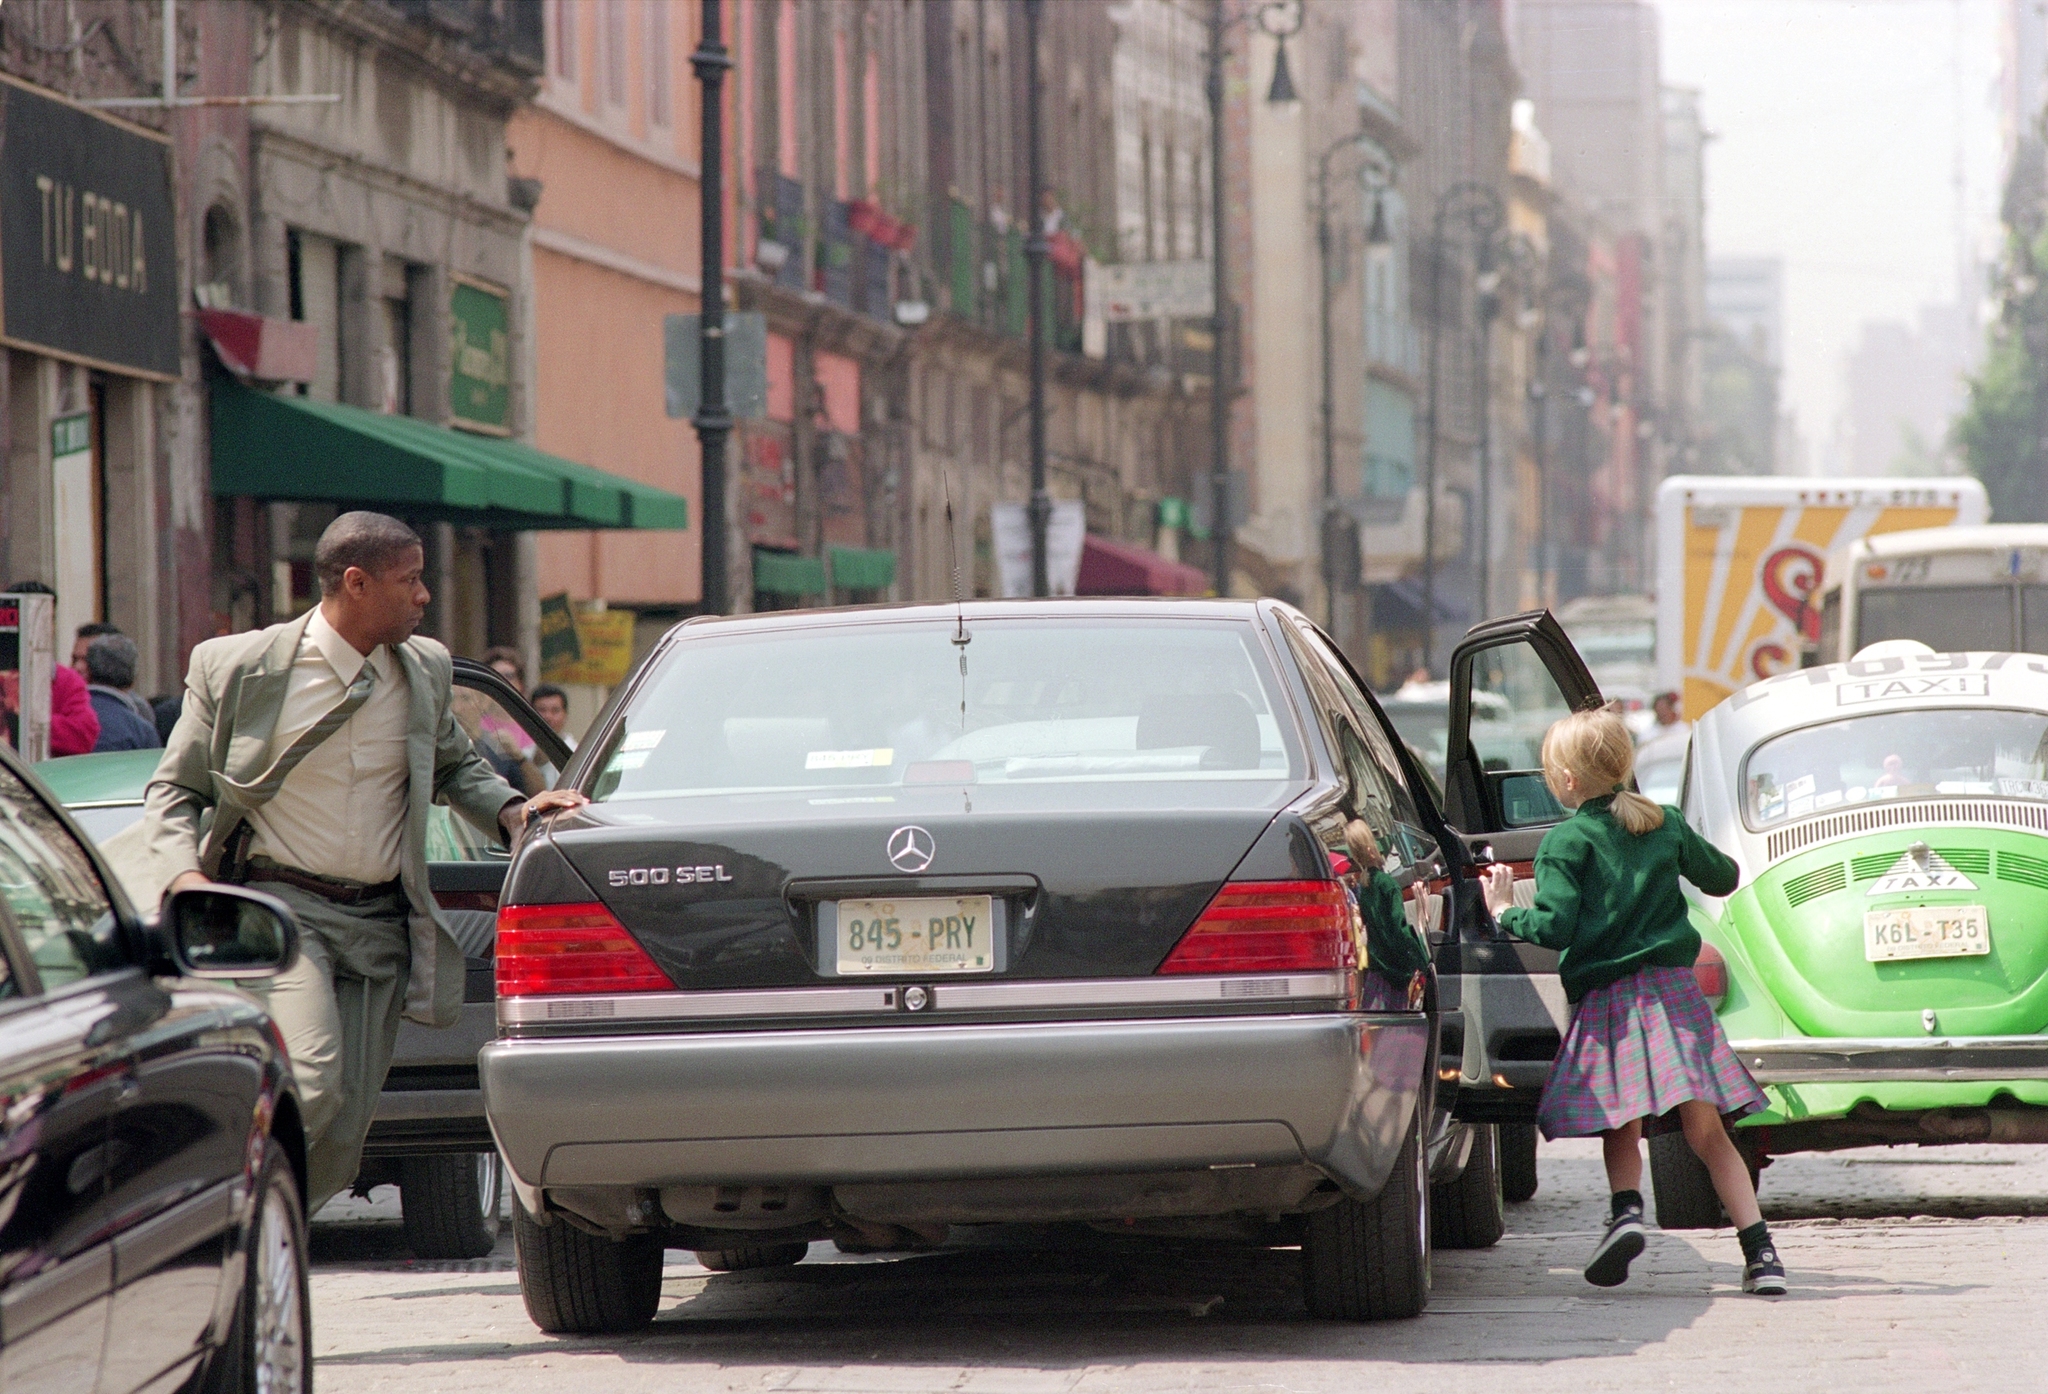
[338,889]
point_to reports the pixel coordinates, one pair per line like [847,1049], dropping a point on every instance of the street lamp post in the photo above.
[1323,247]
[713,420]
[1040,510]
[1282,90]
[1484,213]
[1568,299]
[1487,283]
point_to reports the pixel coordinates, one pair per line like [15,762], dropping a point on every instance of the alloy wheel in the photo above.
[278,1324]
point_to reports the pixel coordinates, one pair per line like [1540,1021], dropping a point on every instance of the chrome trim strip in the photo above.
[1852,1060]
[944,996]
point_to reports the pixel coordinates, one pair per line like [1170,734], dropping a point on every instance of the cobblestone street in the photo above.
[1904,1263]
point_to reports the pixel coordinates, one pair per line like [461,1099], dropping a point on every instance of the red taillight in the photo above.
[1710,970]
[1269,927]
[551,950]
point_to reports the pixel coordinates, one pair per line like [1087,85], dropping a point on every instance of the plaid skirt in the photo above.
[1638,1048]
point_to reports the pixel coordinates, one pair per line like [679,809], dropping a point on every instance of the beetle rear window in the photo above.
[1934,751]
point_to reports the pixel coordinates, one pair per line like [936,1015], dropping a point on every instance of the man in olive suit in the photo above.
[304,764]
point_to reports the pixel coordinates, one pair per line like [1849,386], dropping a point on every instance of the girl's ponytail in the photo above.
[1594,747]
[1636,813]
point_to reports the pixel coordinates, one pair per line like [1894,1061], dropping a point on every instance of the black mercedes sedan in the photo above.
[885,920]
[151,1163]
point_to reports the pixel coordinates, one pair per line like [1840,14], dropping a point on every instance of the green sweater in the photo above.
[1392,945]
[1609,898]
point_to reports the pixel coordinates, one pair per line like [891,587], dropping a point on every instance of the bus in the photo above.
[1952,588]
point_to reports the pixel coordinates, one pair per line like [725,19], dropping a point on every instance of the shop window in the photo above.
[222,259]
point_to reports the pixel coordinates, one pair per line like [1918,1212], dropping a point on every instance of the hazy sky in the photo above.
[1838,124]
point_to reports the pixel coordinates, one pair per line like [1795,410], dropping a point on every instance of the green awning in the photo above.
[784,573]
[279,447]
[863,568]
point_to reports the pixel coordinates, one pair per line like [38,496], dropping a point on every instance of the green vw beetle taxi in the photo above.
[1883,968]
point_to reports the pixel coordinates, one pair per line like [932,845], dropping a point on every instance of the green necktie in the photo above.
[232,849]
[273,778]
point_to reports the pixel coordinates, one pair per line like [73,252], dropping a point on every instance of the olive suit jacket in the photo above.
[222,745]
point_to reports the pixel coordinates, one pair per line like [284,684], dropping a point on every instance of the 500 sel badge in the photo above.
[662,876]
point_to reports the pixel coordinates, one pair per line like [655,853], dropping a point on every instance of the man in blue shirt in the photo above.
[109,673]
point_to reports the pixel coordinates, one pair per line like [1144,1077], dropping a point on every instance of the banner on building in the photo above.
[480,356]
[746,364]
[88,261]
[1065,532]
[559,643]
[1140,290]
[593,648]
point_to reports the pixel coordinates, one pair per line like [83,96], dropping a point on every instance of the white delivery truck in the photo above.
[1740,560]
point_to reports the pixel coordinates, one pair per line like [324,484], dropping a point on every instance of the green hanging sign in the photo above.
[480,356]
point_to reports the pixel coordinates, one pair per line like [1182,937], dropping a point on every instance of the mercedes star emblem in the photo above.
[911,848]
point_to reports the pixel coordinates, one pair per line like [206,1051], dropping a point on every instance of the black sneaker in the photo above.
[1764,1275]
[1624,1240]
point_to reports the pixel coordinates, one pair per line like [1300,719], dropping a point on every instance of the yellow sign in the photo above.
[1752,572]
[605,641]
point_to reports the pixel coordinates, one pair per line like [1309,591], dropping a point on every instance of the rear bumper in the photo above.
[1875,1060]
[928,1103]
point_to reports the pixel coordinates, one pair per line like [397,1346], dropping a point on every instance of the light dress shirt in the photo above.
[341,812]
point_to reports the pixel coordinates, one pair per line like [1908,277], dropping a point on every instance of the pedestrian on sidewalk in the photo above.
[304,762]
[109,684]
[1643,1049]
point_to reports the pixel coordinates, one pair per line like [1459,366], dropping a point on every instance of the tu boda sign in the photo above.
[88,263]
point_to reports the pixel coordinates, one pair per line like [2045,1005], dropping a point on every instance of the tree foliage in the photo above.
[1999,431]
[2002,433]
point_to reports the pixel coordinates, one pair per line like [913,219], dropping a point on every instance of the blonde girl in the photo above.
[1643,1047]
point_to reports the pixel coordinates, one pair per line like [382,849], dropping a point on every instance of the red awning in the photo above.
[263,348]
[1123,568]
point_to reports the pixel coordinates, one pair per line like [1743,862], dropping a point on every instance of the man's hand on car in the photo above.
[516,815]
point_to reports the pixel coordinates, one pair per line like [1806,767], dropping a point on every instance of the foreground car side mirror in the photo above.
[229,932]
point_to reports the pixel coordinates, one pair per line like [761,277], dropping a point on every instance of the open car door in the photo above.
[1510,679]
[429,1134]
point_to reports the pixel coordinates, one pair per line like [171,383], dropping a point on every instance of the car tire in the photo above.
[753,1256]
[575,1283]
[449,1202]
[1467,1213]
[270,1341]
[1517,1161]
[1683,1186]
[1369,1260]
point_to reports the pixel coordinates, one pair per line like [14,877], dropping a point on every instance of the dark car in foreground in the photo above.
[151,1161]
[885,920]
[429,1137]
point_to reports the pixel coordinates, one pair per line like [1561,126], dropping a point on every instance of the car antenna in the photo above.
[960,634]
[961,638]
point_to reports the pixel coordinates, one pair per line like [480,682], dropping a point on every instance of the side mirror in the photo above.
[1526,801]
[230,932]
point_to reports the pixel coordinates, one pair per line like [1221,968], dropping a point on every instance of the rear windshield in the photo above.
[1896,755]
[1021,701]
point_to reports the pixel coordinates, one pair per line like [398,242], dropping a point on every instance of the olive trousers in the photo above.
[339,1008]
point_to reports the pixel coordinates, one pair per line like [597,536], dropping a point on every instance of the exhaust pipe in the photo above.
[1987,1125]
